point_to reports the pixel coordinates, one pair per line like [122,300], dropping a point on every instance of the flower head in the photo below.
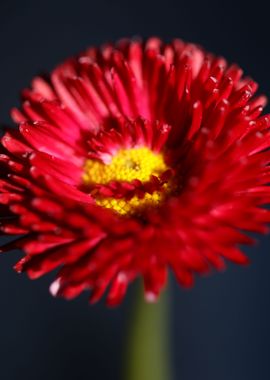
[133,159]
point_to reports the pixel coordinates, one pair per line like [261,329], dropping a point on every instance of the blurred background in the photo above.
[220,329]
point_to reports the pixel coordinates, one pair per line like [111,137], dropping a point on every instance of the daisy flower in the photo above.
[133,159]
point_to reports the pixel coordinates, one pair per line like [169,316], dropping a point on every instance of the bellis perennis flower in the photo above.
[133,159]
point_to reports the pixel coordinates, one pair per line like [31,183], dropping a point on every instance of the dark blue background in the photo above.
[220,329]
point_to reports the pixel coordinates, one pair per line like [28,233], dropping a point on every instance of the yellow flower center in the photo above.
[125,166]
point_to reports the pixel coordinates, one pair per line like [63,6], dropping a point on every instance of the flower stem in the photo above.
[148,353]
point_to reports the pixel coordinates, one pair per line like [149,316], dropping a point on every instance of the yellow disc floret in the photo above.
[125,166]
[132,206]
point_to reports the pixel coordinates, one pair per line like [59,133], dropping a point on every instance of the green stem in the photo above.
[148,351]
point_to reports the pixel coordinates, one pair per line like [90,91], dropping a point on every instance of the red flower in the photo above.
[132,159]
